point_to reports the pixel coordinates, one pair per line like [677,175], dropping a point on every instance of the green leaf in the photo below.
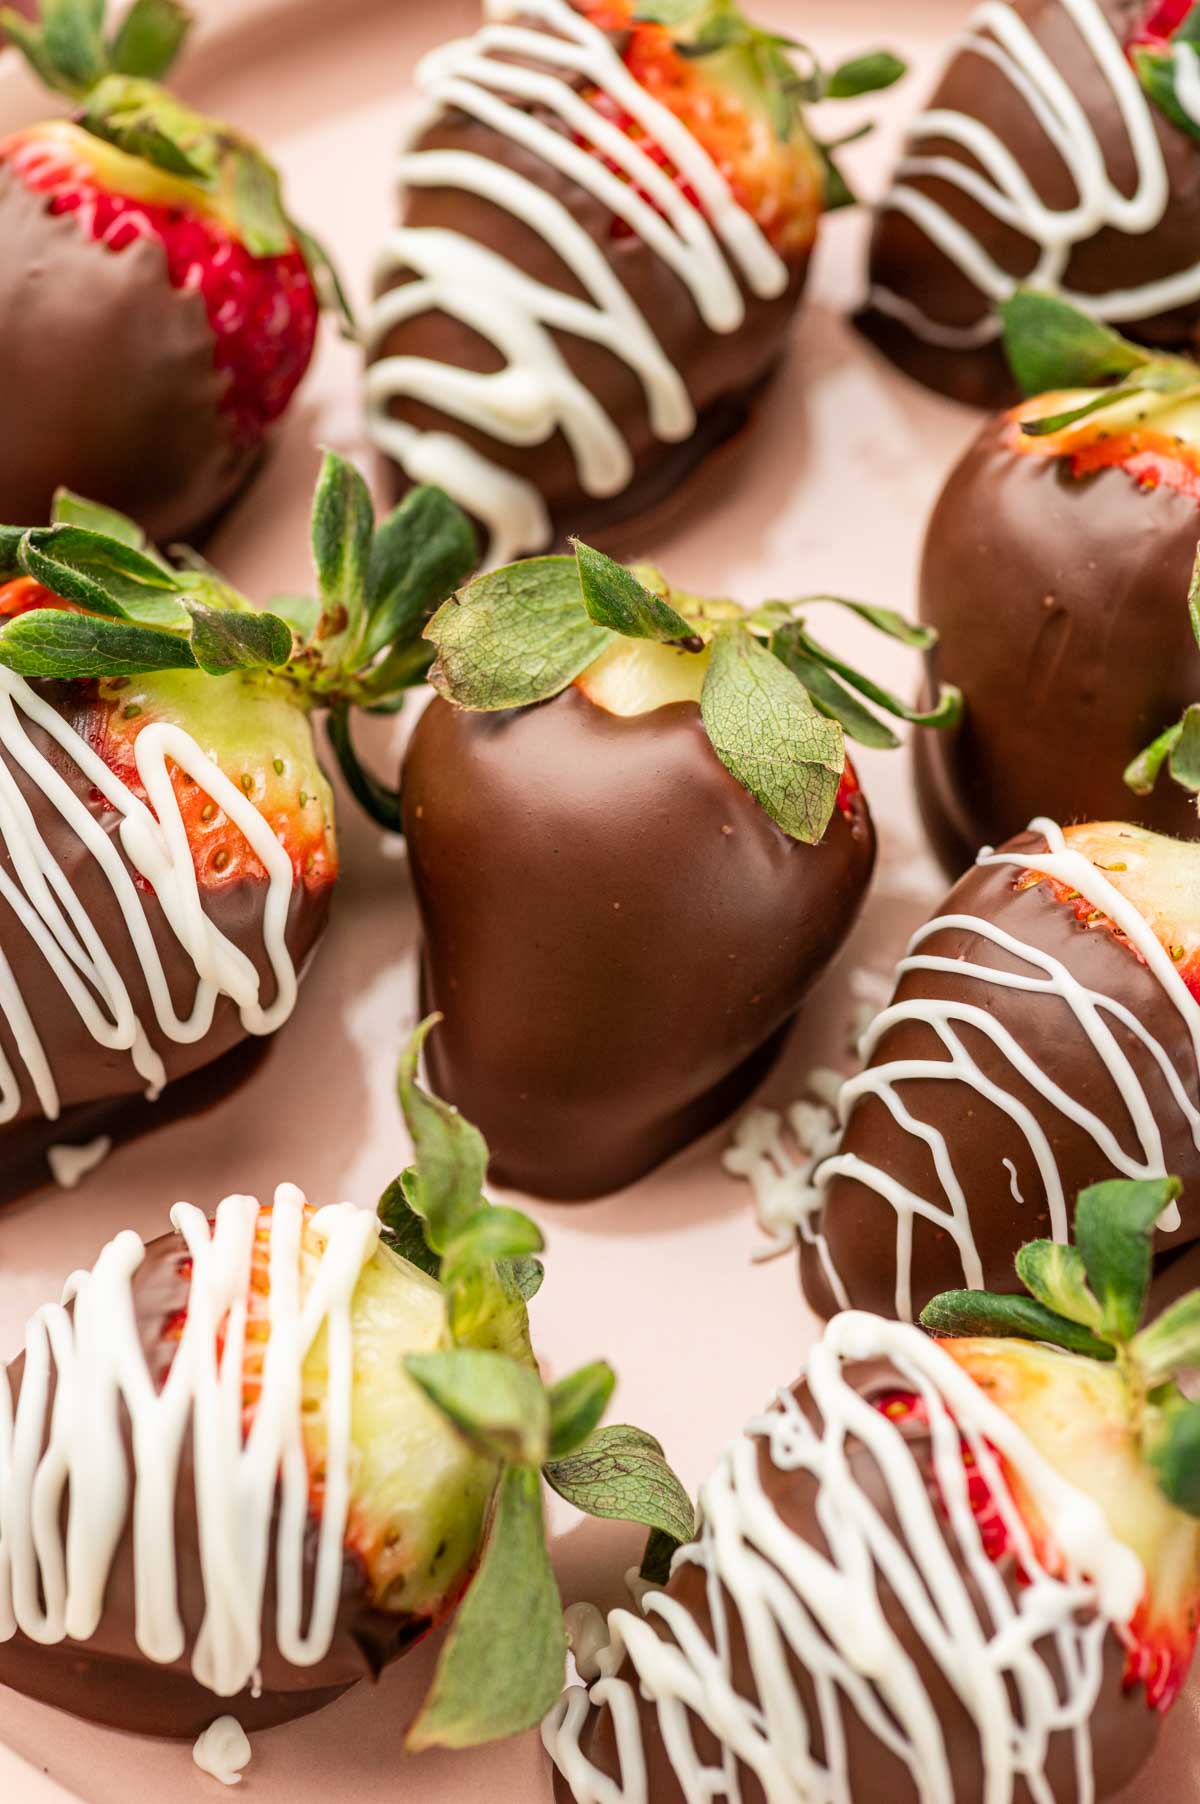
[257,201]
[225,639]
[614,598]
[423,551]
[660,1552]
[452,1155]
[503,1665]
[343,526]
[29,41]
[525,1276]
[1171,1344]
[382,804]
[1185,753]
[403,1228]
[49,643]
[146,121]
[866,74]
[946,711]
[501,1407]
[969,1313]
[1174,1454]
[491,1235]
[103,574]
[1159,75]
[10,548]
[1114,1231]
[769,735]
[1142,775]
[831,697]
[622,1475]
[69,509]
[578,1405]
[1047,424]
[516,636]
[300,611]
[1194,599]
[671,13]
[323,273]
[837,193]
[72,32]
[1056,1276]
[885,620]
[1052,345]
[150,38]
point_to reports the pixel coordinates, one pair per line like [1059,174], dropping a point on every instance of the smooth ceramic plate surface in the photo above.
[830,491]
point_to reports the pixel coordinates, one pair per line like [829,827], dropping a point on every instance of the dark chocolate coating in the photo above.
[1123,1729]
[615,931]
[90,1077]
[906,261]
[1060,604]
[108,1680]
[722,371]
[860,1226]
[109,377]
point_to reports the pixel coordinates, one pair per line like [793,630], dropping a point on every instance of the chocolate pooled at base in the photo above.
[604,935]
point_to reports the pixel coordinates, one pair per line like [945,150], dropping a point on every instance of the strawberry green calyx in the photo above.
[1052,346]
[115,80]
[777,73]
[111,606]
[502,1665]
[776,704]
[1090,1300]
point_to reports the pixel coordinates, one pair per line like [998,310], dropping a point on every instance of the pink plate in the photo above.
[830,491]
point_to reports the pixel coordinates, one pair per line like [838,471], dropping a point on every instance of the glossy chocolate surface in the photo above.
[1061,607]
[722,371]
[108,1680]
[615,931]
[861,1227]
[99,1089]
[1123,1731]
[906,261]
[109,378]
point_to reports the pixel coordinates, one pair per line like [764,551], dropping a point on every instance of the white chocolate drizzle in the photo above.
[536,394]
[993,178]
[1040,974]
[823,1609]
[69,1165]
[223,1750]
[69,1457]
[154,839]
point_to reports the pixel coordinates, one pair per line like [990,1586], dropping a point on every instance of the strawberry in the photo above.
[1162,20]
[181,721]
[777,179]
[837,1628]
[203,294]
[652,792]
[362,1390]
[1074,518]
[990,1091]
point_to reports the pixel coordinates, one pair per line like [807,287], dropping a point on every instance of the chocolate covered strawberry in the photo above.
[167,842]
[1056,572]
[285,1442]
[1061,150]
[158,304]
[1043,1035]
[636,840]
[965,1569]
[608,214]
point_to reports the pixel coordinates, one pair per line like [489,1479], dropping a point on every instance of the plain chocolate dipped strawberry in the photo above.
[608,215]
[1056,572]
[965,1569]
[158,305]
[167,844]
[635,840]
[254,1462]
[1060,150]
[1044,1034]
